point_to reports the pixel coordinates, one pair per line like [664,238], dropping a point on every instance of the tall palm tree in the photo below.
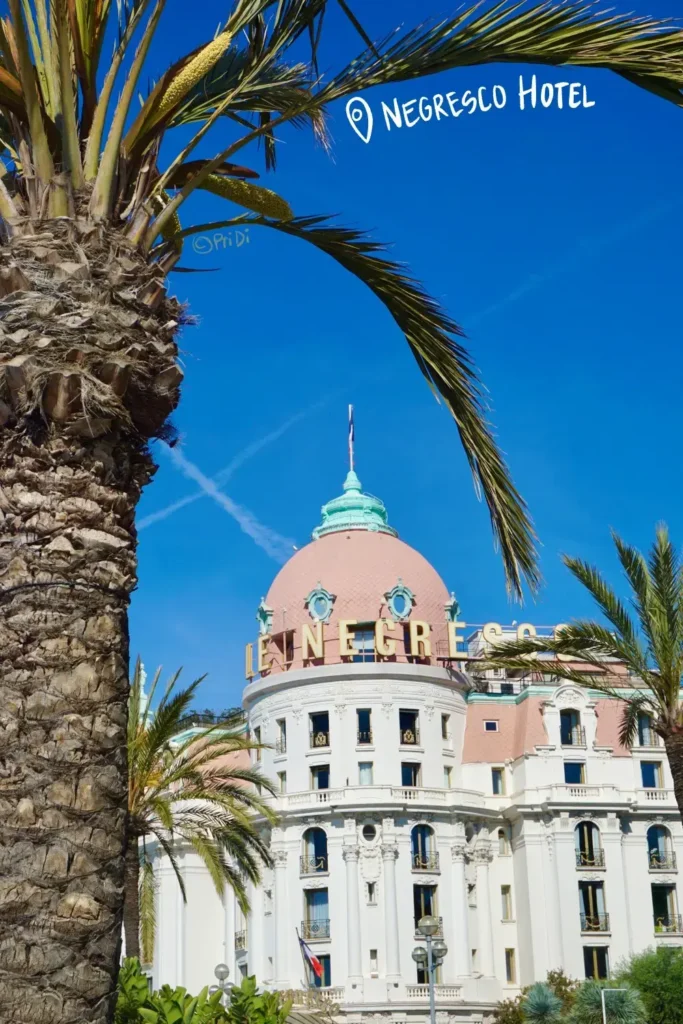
[649,646]
[89,217]
[185,793]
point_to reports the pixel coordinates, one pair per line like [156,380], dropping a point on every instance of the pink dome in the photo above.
[359,567]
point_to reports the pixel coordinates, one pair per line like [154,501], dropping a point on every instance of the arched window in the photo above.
[571,730]
[314,851]
[589,853]
[660,849]
[503,843]
[423,848]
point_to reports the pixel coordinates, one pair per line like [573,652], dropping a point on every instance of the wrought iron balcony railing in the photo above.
[669,924]
[410,737]
[575,738]
[596,859]
[241,939]
[364,737]
[313,865]
[320,738]
[662,861]
[595,922]
[311,930]
[425,862]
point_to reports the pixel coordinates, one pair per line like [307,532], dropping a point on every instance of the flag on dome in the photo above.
[352,437]
[310,958]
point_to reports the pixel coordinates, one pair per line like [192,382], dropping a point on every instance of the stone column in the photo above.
[483,857]
[389,854]
[461,928]
[282,923]
[350,855]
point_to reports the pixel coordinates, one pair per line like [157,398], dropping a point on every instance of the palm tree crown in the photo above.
[188,792]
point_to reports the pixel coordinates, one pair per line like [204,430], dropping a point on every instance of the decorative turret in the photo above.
[353,510]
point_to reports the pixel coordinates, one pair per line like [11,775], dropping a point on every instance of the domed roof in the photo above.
[356,559]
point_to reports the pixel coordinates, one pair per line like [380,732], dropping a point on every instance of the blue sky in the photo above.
[552,236]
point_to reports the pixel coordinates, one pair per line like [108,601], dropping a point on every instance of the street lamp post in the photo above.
[221,972]
[602,997]
[430,957]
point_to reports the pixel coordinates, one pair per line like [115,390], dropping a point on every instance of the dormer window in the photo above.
[400,600]
[319,604]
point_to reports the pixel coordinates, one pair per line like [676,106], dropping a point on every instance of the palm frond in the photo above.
[147,903]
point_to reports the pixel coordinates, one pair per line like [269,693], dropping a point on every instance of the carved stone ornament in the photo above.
[297,713]
[429,711]
[350,853]
[389,851]
[459,852]
[483,854]
[387,708]
[370,863]
[568,696]
[340,709]
[280,857]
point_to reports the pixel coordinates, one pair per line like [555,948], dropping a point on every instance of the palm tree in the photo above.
[650,648]
[89,231]
[184,793]
[541,1006]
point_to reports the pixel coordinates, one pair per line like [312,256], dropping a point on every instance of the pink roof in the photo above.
[359,567]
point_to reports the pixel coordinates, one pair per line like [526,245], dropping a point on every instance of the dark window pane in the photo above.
[649,774]
[573,773]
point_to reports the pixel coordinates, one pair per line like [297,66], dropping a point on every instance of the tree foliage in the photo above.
[511,1011]
[657,974]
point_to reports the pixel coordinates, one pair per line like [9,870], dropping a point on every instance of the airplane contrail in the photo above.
[276,546]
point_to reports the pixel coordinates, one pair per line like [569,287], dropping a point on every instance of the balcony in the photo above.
[364,738]
[436,935]
[281,746]
[441,992]
[353,796]
[319,739]
[241,939]
[312,930]
[596,859]
[410,737]
[656,795]
[313,865]
[662,861]
[425,862]
[669,925]
[576,738]
[595,923]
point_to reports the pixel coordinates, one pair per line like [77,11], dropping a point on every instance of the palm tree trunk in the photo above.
[67,568]
[131,905]
[673,743]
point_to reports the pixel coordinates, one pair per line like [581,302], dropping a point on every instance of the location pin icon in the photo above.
[359,114]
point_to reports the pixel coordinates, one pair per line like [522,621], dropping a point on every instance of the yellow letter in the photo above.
[346,648]
[525,630]
[420,644]
[312,644]
[454,639]
[383,645]
[491,632]
[262,653]
[558,629]
[249,661]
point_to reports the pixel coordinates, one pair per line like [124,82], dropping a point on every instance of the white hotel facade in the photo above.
[410,783]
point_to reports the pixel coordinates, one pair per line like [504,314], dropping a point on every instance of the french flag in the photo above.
[311,959]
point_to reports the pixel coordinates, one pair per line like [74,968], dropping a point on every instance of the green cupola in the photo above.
[353,510]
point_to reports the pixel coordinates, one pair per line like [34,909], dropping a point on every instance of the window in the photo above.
[503,844]
[369,833]
[410,773]
[364,726]
[316,923]
[664,909]
[510,966]
[314,851]
[371,893]
[574,773]
[257,739]
[365,773]
[282,782]
[498,781]
[506,902]
[424,903]
[281,738]
[571,733]
[423,849]
[659,848]
[319,729]
[374,968]
[325,979]
[422,978]
[587,846]
[491,726]
[409,728]
[592,902]
[447,776]
[595,962]
[651,772]
[320,776]
[364,643]
[445,727]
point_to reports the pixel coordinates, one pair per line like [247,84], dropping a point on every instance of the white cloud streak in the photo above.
[224,475]
[276,546]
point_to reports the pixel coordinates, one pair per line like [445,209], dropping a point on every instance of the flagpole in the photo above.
[307,976]
[351,437]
